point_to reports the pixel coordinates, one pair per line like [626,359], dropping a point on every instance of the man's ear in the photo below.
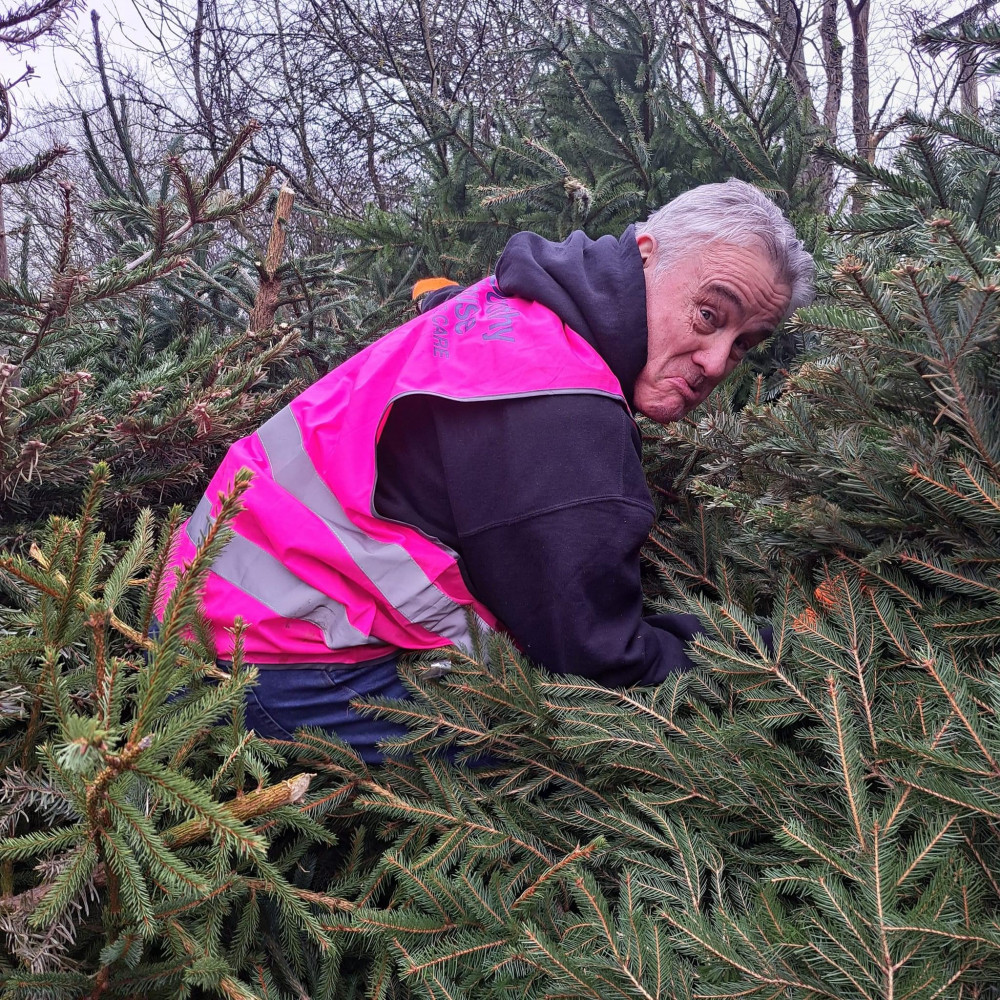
[647,248]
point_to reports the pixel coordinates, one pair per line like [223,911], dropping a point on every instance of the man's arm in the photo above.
[545,500]
[566,586]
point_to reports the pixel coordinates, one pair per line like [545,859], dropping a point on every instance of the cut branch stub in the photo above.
[266,304]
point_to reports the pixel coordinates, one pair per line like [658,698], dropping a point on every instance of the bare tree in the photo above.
[21,27]
[858,11]
[833,67]
[791,46]
[352,94]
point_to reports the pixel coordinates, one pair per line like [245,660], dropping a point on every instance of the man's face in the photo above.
[703,315]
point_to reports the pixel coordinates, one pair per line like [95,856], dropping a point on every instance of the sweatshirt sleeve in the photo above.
[546,503]
[565,584]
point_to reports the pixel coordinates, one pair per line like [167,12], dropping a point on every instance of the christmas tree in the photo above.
[810,813]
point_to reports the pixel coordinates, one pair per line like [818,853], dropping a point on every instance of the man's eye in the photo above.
[707,315]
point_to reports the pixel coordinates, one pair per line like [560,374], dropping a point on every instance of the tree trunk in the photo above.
[790,37]
[833,70]
[707,57]
[968,75]
[833,67]
[968,64]
[204,106]
[860,80]
[4,260]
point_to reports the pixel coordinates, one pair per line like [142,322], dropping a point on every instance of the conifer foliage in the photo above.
[814,812]
[138,358]
[120,757]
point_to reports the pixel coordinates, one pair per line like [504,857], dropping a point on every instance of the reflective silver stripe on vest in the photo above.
[391,569]
[262,576]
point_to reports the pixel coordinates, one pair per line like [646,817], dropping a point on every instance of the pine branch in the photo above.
[30,171]
[251,806]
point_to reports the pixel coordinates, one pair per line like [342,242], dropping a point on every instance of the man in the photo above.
[483,458]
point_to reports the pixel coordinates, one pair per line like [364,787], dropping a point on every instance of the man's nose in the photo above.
[713,359]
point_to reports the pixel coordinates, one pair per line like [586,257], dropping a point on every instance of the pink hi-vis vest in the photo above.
[317,574]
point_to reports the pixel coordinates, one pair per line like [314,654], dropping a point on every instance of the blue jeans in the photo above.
[285,698]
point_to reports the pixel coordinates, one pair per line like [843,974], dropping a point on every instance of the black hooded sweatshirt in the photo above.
[544,498]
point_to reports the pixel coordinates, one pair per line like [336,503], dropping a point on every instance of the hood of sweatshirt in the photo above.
[596,287]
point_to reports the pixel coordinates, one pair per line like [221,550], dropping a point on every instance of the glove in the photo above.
[686,627]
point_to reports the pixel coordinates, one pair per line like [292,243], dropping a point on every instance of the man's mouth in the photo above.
[688,391]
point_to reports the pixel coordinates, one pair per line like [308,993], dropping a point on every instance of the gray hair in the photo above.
[737,213]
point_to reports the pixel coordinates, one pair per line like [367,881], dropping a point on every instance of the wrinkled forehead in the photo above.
[745,278]
[719,262]
[752,249]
